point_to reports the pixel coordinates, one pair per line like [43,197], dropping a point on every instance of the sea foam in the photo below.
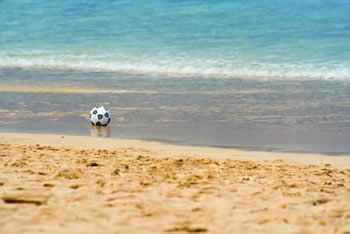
[175,67]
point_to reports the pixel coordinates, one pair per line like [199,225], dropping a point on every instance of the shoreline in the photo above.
[174,150]
[245,148]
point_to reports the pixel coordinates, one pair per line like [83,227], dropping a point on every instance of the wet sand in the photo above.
[69,184]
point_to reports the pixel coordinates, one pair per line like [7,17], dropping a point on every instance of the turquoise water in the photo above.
[265,39]
[267,75]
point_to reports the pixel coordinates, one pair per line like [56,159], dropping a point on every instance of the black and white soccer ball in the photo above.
[100,116]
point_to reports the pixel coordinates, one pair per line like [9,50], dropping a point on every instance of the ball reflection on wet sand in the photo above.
[100,131]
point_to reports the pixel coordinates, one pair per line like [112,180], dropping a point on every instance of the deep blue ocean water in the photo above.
[267,75]
[265,39]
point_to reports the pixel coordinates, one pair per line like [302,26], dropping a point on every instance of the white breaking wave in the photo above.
[183,67]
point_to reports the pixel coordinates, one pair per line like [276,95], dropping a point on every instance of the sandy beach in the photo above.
[75,184]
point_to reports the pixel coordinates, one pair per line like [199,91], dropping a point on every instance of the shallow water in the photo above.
[307,116]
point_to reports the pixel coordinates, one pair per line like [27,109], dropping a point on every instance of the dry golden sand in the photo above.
[66,184]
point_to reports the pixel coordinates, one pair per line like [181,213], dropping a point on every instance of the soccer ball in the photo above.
[100,116]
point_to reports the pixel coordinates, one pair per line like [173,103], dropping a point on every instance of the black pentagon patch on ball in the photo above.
[98,123]
[95,112]
[106,114]
[100,116]
[109,120]
[92,123]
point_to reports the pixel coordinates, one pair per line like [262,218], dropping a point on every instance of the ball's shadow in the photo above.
[99,131]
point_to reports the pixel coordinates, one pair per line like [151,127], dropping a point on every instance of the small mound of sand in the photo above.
[70,173]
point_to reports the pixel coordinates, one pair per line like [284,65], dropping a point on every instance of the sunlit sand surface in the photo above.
[66,184]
